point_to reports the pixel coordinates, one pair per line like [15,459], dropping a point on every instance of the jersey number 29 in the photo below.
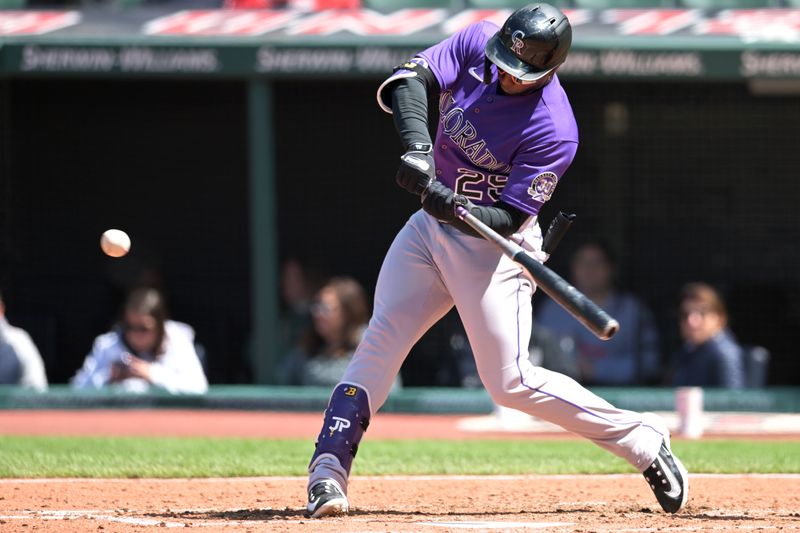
[474,185]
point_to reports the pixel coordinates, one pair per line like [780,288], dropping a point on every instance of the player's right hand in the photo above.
[439,201]
[417,169]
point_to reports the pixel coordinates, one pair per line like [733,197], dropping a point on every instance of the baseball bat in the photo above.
[571,299]
[558,228]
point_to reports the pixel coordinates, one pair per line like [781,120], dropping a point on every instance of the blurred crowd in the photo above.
[392,5]
[322,320]
[323,317]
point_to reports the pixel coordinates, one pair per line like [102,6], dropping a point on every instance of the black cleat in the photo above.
[669,480]
[326,498]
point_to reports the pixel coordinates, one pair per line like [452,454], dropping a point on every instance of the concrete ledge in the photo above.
[409,400]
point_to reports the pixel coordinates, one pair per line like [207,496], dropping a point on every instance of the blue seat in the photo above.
[756,365]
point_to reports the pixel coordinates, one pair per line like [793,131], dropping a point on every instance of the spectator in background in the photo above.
[545,350]
[340,312]
[710,355]
[20,361]
[631,357]
[299,283]
[144,350]
[553,352]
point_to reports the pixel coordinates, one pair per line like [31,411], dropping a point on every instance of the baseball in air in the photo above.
[115,243]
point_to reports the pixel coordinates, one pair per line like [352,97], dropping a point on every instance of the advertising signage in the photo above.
[613,44]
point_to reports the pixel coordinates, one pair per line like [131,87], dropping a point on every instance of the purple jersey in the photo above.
[491,146]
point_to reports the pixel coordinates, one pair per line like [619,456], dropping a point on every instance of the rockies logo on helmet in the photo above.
[517,42]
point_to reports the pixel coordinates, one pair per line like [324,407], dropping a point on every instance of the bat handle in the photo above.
[558,228]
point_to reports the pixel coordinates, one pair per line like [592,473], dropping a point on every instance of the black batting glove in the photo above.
[417,168]
[439,201]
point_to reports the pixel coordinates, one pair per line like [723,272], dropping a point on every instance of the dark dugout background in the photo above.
[688,181]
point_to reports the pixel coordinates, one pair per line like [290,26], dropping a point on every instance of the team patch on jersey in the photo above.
[542,186]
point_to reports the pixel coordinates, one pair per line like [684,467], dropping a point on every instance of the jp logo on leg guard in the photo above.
[346,420]
[339,425]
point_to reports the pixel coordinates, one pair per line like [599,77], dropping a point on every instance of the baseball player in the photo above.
[505,136]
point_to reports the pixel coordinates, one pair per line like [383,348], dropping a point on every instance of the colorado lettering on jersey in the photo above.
[462,132]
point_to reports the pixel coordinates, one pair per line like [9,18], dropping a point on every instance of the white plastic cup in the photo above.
[689,405]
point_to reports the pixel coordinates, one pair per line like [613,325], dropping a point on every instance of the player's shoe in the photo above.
[326,498]
[669,480]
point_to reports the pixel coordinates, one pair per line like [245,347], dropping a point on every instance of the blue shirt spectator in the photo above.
[715,363]
[631,356]
[710,356]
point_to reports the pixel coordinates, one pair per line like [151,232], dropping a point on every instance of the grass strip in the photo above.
[158,457]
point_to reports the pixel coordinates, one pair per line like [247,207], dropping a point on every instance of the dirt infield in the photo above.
[420,504]
[399,503]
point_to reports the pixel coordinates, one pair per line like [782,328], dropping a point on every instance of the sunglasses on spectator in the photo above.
[686,313]
[137,328]
[323,309]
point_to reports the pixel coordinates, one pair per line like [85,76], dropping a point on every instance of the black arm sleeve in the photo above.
[503,218]
[410,106]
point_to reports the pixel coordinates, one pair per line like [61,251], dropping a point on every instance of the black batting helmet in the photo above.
[533,40]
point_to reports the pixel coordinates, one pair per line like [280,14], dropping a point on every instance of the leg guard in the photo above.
[346,420]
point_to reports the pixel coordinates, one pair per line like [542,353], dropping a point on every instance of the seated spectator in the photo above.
[299,284]
[339,317]
[631,357]
[544,349]
[144,350]
[20,361]
[552,352]
[710,355]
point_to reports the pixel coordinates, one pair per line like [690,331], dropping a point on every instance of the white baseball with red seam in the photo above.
[115,243]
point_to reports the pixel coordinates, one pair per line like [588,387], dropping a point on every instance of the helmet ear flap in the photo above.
[487,71]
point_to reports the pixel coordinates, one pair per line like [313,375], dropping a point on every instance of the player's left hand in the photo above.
[416,170]
[440,201]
